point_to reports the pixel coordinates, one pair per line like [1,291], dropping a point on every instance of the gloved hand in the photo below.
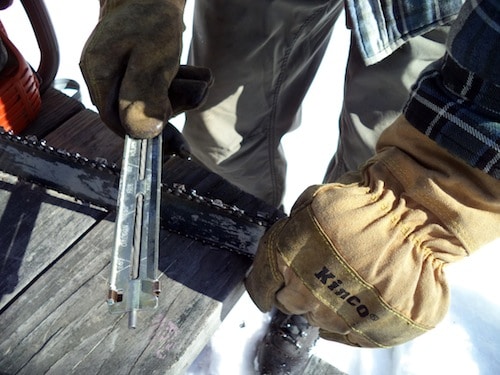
[129,64]
[364,259]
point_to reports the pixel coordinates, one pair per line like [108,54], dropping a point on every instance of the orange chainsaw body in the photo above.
[20,100]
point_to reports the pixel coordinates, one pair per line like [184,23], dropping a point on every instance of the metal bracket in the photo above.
[133,283]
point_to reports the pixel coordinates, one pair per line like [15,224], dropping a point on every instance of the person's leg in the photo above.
[264,55]
[374,96]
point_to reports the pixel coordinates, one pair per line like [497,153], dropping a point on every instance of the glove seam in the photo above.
[445,219]
[271,257]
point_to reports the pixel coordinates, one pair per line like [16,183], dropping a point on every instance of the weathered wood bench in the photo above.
[55,264]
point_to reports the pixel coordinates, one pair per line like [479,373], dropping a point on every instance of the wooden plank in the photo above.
[195,177]
[316,366]
[56,109]
[86,133]
[36,229]
[61,322]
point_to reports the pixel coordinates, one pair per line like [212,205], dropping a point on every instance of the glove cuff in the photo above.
[465,199]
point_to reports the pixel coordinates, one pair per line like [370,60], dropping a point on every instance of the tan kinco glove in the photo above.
[129,63]
[365,260]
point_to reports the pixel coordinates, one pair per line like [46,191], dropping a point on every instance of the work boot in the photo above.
[286,347]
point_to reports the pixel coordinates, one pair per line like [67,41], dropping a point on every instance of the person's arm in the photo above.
[364,258]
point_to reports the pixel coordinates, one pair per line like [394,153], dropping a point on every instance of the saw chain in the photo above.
[184,209]
[187,200]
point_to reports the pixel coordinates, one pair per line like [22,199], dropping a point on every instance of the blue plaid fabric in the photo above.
[382,26]
[457,103]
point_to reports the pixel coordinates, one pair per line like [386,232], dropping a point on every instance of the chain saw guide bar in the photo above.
[96,182]
[195,203]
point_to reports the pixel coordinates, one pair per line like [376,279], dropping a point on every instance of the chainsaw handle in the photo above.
[46,39]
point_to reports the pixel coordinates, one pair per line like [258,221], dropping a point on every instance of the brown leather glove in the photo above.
[129,64]
[364,259]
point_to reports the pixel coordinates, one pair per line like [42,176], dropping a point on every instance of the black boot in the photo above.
[286,347]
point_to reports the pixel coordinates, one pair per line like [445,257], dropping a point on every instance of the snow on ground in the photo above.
[465,343]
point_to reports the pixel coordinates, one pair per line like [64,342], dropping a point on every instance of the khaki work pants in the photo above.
[264,55]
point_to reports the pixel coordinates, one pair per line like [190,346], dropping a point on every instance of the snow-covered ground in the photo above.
[465,343]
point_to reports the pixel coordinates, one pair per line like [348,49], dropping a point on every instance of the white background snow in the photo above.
[466,342]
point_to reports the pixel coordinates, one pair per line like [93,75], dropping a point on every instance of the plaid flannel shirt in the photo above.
[382,26]
[457,103]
